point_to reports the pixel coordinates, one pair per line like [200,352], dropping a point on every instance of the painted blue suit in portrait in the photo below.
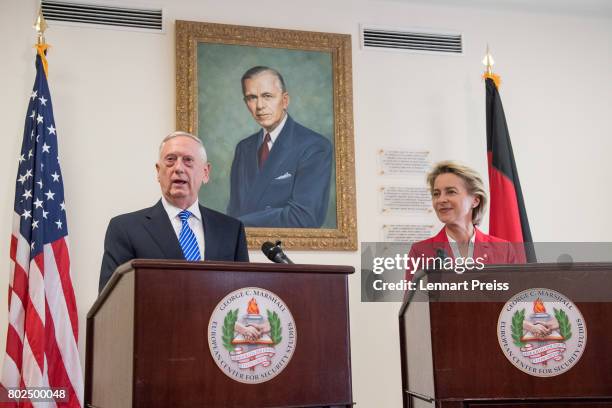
[292,188]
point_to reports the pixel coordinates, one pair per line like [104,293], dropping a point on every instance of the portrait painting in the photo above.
[274,110]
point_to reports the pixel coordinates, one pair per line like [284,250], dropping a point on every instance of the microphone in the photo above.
[274,252]
[419,275]
[441,254]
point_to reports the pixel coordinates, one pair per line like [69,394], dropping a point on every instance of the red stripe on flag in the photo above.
[62,259]
[58,376]
[40,263]
[20,283]
[504,221]
[13,255]
[35,332]
[14,242]
[14,346]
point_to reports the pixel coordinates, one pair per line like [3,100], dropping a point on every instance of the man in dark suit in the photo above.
[280,175]
[177,227]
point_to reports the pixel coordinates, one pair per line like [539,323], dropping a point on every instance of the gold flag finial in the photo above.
[41,46]
[40,26]
[488,61]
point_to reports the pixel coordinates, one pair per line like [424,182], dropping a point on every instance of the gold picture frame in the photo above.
[195,72]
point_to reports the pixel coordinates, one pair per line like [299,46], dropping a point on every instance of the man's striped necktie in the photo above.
[187,239]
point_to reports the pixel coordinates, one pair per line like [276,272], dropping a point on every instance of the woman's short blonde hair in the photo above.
[473,184]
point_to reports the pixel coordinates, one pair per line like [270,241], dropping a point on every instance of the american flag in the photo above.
[41,345]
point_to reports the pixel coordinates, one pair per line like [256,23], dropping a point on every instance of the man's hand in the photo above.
[263,328]
[551,324]
[249,332]
[537,329]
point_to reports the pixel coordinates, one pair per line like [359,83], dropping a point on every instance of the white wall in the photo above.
[114,99]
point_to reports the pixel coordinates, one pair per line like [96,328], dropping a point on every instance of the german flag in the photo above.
[507,215]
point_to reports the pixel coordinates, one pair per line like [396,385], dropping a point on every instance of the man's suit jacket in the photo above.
[149,234]
[292,189]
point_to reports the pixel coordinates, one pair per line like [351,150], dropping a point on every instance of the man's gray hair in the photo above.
[185,134]
[253,72]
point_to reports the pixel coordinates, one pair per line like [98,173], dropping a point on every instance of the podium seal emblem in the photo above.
[252,335]
[541,332]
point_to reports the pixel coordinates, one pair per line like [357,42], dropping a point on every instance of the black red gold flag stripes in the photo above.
[507,215]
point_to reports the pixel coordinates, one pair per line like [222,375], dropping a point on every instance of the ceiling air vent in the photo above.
[106,16]
[412,40]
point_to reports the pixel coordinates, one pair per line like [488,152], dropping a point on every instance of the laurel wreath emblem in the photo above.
[275,327]
[228,329]
[517,327]
[565,327]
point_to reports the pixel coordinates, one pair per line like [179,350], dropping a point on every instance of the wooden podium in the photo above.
[451,356]
[147,342]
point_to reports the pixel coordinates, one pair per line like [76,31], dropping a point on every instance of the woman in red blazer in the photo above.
[459,199]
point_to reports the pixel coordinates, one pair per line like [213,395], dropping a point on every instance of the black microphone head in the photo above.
[440,253]
[266,247]
[272,252]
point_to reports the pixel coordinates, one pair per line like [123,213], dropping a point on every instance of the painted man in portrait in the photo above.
[280,175]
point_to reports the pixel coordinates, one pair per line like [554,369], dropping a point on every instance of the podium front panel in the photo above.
[173,365]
